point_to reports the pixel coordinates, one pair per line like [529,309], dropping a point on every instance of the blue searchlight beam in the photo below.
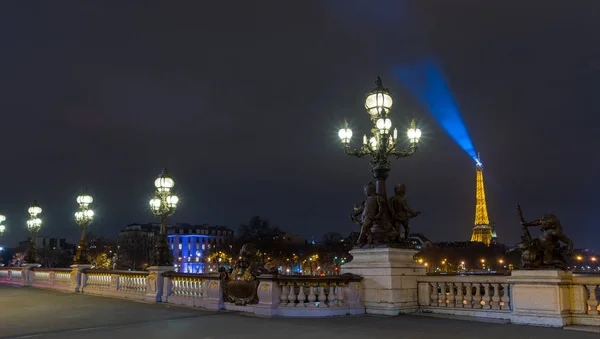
[426,82]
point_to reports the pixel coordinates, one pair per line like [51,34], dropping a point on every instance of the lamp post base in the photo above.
[163,256]
[81,257]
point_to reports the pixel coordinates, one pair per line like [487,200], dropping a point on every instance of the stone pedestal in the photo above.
[28,274]
[541,297]
[389,279]
[78,279]
[155,283]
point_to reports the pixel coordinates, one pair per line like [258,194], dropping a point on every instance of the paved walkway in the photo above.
[36,313]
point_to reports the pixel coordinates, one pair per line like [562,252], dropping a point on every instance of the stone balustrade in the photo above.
[586,293]
[198,290]
[545,297]
[486,296]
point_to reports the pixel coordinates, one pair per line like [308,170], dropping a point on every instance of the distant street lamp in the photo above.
[383,142]
[163,205]
[2,227]
[83,217]
[34,224]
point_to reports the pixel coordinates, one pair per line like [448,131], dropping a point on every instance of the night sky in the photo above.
[242,101]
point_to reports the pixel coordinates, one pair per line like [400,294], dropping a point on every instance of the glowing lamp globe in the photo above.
[84,200]
[345,135]
[79,216]
[155,204]
[379,101]
[172,201]
[34,224]
[414,134]
[384,125]
[373,143]
[2,218]
[2,229]
[164,182]
[35,209]
[88,214]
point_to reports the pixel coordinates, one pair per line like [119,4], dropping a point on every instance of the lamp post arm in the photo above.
[359,153]
[403,153]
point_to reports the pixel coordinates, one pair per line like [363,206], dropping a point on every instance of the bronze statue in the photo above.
[401,213]
[371,212]
[240,284]
[545,251]
[356,215]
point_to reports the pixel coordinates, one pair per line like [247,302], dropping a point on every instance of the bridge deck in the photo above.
[36,313]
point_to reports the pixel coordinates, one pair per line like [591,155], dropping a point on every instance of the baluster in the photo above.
[301,296]
[322,296]
[496,298]
[592,301]
[487,296]
[284,293]
[458,299]
[477,296]
[469,295]
[433,296]
[339,294]
[451,296]
[312,297]
[442,294]
[292,295]
[505,297]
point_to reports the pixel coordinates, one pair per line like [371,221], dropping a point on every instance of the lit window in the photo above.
[203,246]
[180,246]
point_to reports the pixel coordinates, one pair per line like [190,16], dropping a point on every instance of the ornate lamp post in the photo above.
[34,224]
[382,144]
[2,229]
[83,217]
[163,205]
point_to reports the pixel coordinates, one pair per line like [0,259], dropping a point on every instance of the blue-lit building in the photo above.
[189,244]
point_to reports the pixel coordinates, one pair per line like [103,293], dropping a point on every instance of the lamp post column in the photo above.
[162,205]
[83,217]
[2,229]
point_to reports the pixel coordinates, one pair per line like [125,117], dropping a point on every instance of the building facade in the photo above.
[189,244]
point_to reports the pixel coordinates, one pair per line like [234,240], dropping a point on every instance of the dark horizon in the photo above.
[242,102]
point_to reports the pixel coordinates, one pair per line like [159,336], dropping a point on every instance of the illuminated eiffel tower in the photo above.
[482,232]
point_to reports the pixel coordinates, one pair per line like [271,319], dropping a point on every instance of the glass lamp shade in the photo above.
[379,101]
[345,135]
[34,224]
[2,229]
[373,143]
[384,125]
[84,200]
[2,218]
[34,210]
[172,201]
[164,183]
[155,204]
[414,134]
[88,214]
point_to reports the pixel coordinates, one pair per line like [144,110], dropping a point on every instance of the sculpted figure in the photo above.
[401,213]
[356,215]
[372,210]
[546,249]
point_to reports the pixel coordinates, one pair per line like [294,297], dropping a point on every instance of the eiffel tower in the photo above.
[482,232]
